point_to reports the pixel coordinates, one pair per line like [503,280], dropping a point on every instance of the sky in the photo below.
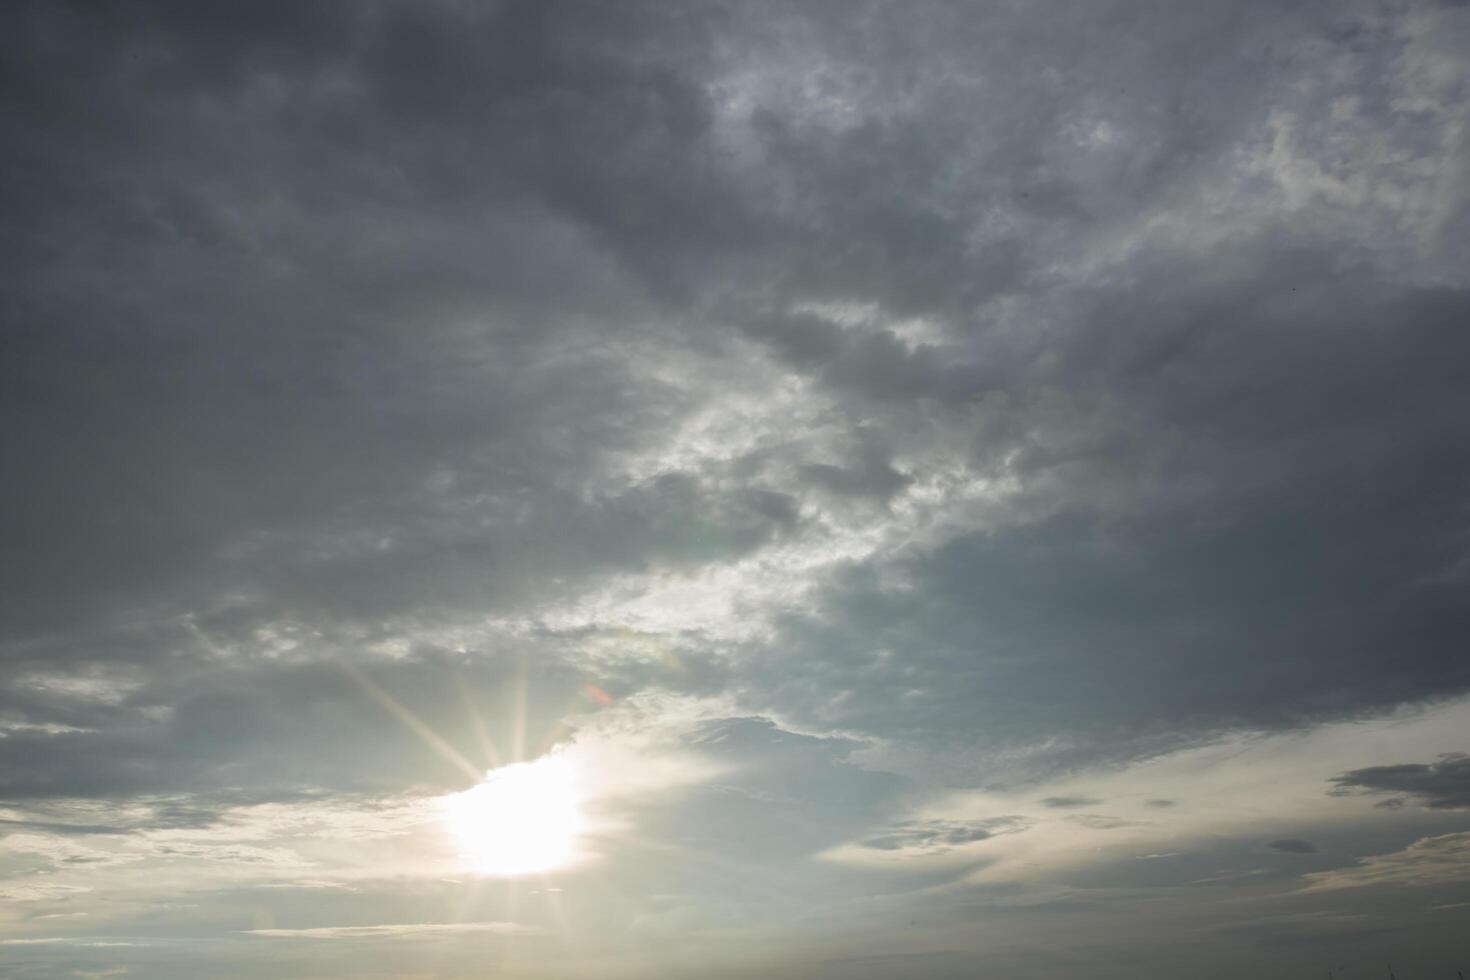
[662,490]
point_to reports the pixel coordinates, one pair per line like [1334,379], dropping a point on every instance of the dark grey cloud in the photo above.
[364,347]
[1442,785]
[940,835]
[1293,845]
[1118,600]
[1068,802]
[1100,821]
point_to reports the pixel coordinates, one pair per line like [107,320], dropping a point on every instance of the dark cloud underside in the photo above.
[1442,785]
[358,320]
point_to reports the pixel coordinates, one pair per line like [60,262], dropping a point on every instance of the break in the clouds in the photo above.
[944,476]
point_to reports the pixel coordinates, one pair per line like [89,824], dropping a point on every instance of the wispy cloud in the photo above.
[403,929]
[1427,861]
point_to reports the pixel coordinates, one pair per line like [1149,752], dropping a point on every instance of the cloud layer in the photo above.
[858,431]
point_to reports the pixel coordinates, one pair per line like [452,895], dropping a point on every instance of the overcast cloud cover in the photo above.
[976,488]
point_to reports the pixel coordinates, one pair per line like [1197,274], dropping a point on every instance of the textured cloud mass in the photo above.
[876,439]
[1442,785]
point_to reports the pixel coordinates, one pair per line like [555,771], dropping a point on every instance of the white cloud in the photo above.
[1427,861]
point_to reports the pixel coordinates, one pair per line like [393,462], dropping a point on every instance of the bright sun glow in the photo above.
[522,819]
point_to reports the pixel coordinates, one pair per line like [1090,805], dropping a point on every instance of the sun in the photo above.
[522,819]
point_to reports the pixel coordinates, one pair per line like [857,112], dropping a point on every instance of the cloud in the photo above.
[1442,785]
[1293,845]
[257,717]
[873,404]
[1099,821]
[426,930]
[42,891]
[650,335]
[85,941]
[1427,861]
[64,851]
[937,836]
